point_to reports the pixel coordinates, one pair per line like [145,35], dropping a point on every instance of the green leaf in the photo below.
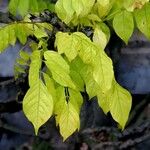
[21,30]
[78,81]
[34,67]
[92,87]
[86,74]
[142,18]
[76,99]
[23,7]
[13,4]
[34,5]
[24,55]
[123,25]
[7,37]
[39,30]
[18,69]
[38,105]
[59,68]
[21,61]
[120,104]
[21,33]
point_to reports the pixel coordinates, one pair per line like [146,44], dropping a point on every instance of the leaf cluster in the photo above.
[76,63]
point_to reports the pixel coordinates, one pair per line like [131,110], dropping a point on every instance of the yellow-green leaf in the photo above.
[21,33]
[103,100]
[61,12]
[13,4]
[50,86]
[120,104]
[103,71]
[77,5]
[100,38]
[66,44]
[68,10]
[76,43]
[78,81]
[67,113]
[38,105]
[7,37]
[60,103]
[86,48]
[104,7]
[24,55]
[59,68]
[69,121]
[34,67]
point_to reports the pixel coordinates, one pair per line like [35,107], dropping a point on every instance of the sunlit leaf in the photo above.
[59,68]
[67,113]
[120,104]
[38,105]
[34,67]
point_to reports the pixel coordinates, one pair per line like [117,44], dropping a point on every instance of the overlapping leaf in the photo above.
[59,68]
[35,66]
[67,113]
[23,7]
[67,10]
[7,37]
[11,32]
[103,71]
[76,43]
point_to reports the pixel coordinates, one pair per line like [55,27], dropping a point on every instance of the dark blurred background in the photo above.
[98,131]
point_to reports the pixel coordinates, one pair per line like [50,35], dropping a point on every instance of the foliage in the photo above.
[76,63]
